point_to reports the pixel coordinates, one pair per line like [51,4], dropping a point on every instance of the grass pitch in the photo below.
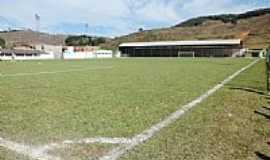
[6,154]
[225,126]
[127,97]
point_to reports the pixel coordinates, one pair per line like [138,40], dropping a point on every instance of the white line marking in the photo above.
[53,72]
[147,134]
[104,140]
[38,153]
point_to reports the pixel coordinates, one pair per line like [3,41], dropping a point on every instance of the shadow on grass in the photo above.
[251,90]
[259,155]
[266,108]
[262,156]
[262,114]
[267,98]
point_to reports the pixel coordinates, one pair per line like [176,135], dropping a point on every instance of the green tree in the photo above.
[97,41]
[84,41]
[78,40]
[2,43]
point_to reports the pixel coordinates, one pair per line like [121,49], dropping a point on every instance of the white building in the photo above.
[87,52]
[78,53]
[45,52]
[56,51]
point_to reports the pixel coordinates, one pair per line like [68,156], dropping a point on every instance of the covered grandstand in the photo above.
[209,48]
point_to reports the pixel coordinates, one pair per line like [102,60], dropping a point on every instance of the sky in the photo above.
[112,17]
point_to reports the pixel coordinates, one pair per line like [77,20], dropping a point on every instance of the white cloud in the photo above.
[119,16]
[160,11]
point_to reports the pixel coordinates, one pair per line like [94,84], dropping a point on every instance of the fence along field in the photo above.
[121,101]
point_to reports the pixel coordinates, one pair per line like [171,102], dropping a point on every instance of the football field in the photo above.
[94,107]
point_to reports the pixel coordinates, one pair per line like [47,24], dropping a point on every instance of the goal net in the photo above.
[186,54]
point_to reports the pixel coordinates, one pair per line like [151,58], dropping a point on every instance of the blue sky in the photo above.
[113,17]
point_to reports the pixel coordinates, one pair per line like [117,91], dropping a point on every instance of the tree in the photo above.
[2,43]
[97,41]
[84,41]
[78,40]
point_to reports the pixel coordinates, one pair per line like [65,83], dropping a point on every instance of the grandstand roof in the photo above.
[182,43]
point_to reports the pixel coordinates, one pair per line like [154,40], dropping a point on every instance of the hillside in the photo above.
[225,18]
[252,27]
[31,37]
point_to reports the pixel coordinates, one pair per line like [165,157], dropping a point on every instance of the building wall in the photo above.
[78,55]
[71,52]
[104,54]
[86,53]
[55,50]
[23,47]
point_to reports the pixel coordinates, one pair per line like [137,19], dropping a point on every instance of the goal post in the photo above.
[186,54]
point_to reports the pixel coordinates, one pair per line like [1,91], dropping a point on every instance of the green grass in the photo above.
[222,127]
[9,155]
[122,101]
[81,151]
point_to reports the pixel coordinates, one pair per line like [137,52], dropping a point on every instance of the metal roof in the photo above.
[182,43]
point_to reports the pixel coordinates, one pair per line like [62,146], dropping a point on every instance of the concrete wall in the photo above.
[56,50]
[78,55]
[71,54]
[104,54]
[49,56]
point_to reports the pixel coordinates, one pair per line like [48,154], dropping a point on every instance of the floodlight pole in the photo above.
[37,22]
